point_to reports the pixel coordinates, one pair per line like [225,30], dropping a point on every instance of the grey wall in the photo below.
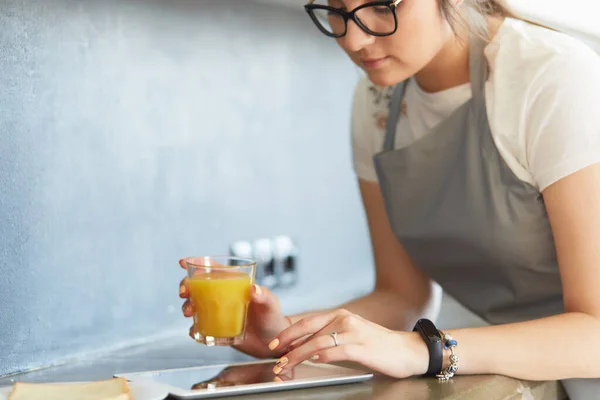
[136,132]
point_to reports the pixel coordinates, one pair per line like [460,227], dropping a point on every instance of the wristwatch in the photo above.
[430,334]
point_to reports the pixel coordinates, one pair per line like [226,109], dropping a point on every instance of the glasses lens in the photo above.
[377,19]
[330,20]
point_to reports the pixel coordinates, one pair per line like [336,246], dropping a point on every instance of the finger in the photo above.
[344,352]
[182,263]
[264,297]
[264,313]
[186,308]
[299,342]
[184,288]
[257,293]
[304,327]
[192,332]
[282,378]
[310,348]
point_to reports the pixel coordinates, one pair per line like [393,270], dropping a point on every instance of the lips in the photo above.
[370,63]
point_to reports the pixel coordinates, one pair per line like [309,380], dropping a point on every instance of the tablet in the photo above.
[214,381]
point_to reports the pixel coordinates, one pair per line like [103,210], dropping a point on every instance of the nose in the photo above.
[356,39]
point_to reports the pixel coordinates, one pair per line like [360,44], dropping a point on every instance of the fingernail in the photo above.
[277,370]
[314,358]
[273,345]
[257,290]
[282,362]
[277,379]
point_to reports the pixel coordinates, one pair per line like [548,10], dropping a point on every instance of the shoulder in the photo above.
[525,58]
[541,94]
[369,117]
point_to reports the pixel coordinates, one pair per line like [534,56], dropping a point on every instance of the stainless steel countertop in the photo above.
[180,351]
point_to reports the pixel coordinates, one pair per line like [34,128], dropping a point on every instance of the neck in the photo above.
[449,68]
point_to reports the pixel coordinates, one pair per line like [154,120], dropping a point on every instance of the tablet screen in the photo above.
[242,374]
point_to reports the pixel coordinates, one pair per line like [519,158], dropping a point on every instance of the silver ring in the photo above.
[334,336]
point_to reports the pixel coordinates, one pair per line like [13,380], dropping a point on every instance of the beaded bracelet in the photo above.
[447,373]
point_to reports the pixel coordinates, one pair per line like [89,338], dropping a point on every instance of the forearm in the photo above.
[559,347]
[381,307]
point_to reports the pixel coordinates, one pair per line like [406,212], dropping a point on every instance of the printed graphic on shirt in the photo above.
[382,97]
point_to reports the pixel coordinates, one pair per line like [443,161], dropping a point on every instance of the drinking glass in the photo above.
[220,294]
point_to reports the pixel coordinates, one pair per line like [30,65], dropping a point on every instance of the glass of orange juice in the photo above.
[220,294]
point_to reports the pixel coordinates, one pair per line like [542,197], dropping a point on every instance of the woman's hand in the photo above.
[265,319]
[397,354]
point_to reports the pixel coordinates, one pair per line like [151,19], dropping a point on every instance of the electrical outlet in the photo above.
[263,254]
[276,260]
[285,257]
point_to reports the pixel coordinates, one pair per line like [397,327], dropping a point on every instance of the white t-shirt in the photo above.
[543,106]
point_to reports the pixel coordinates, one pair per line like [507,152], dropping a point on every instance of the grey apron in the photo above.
[463,216]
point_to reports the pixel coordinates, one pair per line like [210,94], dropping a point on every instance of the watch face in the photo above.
[430,330]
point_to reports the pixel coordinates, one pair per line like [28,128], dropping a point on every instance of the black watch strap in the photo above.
[430,334]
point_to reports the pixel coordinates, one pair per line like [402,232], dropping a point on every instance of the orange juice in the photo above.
[220,300]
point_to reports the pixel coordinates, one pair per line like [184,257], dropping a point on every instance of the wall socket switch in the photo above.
[285,256]
[265,267]
[276,260]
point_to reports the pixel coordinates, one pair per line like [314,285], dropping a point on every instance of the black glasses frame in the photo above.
[351,15]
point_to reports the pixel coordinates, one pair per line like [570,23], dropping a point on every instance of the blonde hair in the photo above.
[471,14]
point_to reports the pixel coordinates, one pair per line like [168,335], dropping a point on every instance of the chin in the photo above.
[386,78]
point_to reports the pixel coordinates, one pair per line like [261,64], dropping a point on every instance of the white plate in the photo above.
[139,391]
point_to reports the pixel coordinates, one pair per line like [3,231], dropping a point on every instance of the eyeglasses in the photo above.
[377,18]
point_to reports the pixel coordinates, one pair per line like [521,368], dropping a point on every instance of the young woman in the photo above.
[476,141]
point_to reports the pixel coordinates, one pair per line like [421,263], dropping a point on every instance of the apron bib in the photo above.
[464,217]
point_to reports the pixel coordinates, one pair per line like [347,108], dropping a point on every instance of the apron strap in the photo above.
[394,114]
[479,74]
[478,69]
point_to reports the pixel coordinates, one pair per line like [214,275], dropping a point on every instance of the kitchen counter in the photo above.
[180,351]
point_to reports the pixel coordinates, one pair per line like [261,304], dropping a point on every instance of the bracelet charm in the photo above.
[448,373]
